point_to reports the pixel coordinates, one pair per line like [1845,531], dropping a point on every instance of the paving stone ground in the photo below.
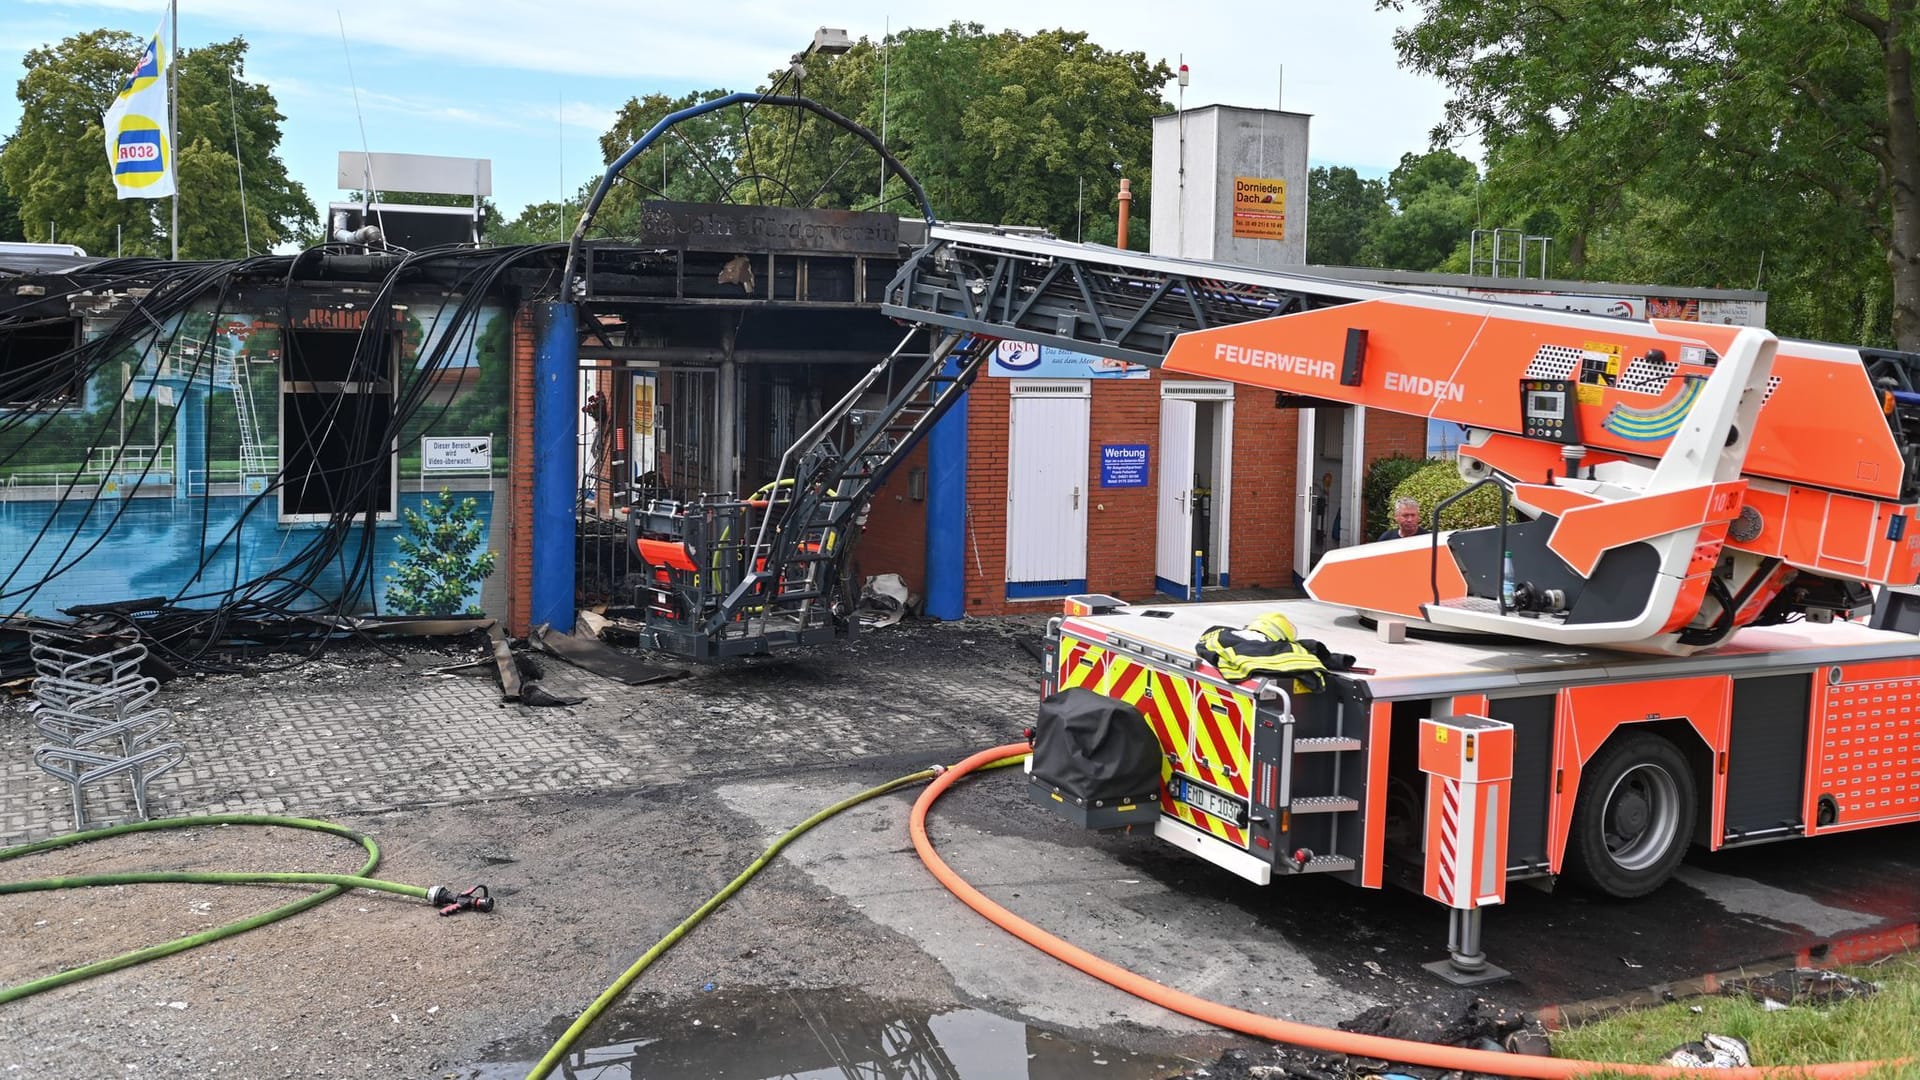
[359,730]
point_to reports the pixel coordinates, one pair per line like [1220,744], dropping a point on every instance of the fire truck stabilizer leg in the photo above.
[1469,765]
[1466,962]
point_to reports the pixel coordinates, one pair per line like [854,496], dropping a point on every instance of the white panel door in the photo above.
[1174,547]
[1047,488]
[1303,495]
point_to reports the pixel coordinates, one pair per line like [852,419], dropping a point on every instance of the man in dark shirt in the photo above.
[1406,519]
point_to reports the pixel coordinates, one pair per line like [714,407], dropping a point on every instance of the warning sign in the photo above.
[1599,369]
[1260,207]
[456,455]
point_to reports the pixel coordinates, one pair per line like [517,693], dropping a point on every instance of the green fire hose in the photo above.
[446,899]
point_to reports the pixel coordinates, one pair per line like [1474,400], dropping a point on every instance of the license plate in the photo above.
[1206,799]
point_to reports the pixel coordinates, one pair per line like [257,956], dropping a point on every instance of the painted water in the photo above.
[53,556]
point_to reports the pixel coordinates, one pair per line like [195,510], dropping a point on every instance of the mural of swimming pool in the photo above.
[53,556]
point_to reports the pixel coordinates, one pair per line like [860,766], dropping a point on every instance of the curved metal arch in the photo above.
[762,177]
[742,98]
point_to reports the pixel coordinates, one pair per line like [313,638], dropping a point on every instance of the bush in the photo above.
[443,559]
[1436,482]
[1376,491]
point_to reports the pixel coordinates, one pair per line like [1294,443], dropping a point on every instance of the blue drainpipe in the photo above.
[556,367]
[947,510]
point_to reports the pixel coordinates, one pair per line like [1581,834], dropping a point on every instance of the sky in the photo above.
[533,85]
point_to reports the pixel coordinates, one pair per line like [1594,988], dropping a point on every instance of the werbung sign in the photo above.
[1260,208]
[1123,465]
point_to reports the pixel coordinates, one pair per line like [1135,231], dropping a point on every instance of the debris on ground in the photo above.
[1800,986]
[885,600]
[1711,1052]
[601,659]
[1461,1019]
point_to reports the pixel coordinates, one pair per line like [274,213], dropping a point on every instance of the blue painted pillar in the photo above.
[947,510]
[189,438]
[556,470]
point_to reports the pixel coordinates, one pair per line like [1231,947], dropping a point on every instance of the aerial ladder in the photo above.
[1658,504]
[736,574]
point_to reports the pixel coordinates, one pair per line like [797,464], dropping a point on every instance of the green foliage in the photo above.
[55,167]
[1433,483]
[539,223]
[1377,489]
[1343,210]
[1419,218]
[1719,143]
[692,162]
[1433,214]
[443,559]
[9,207]
[1876,1027]
[1003,128]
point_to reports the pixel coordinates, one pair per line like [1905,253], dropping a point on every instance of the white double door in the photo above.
[1047,487]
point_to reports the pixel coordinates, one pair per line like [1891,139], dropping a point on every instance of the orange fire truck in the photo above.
[1696,625]
[1697,628]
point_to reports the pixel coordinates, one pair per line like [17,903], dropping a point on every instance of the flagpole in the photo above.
[173,115]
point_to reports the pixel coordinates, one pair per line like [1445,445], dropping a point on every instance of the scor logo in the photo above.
[140,152]
[1017,355]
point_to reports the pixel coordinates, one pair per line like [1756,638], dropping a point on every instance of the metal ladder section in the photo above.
[187,357]
[818,500]
[1091,298]
[1321,757]
[231,372]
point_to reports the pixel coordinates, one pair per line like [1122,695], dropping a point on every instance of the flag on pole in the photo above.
[139,145]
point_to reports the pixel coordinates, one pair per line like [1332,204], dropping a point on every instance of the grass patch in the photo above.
[1884,1026]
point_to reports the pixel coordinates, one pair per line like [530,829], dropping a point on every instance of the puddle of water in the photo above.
[819,1035]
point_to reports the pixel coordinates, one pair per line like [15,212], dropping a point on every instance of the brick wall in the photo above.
[519,517]
[895,541]
[1265,464]
[1121,522]
[984,548]
[1392,433]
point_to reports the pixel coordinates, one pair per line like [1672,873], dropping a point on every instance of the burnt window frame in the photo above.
[73,397]
[292,358]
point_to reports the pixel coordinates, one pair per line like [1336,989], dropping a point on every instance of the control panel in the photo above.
[1548,410]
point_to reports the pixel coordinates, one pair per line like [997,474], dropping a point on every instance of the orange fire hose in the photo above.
[1284,1031]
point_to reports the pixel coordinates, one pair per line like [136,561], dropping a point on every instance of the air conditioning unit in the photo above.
[404,226]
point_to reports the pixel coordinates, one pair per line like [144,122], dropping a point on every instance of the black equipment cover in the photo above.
[1094,747]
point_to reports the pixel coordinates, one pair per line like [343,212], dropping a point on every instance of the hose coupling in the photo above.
[450,903]
[938,770]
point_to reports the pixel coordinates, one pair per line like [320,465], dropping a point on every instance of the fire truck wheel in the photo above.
[1634,817]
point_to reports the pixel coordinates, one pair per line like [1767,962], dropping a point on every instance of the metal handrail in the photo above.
[829,419]
[1506,506]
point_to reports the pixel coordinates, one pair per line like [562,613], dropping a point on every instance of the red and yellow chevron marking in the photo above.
[1081,663]
[1206,731]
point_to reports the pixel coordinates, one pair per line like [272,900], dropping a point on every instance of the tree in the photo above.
[9,207]
[694,161]
[1003,128]
[1787,128]
[1343,210]
[55,166]
[539,223]
[1433,214]
[443,558]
